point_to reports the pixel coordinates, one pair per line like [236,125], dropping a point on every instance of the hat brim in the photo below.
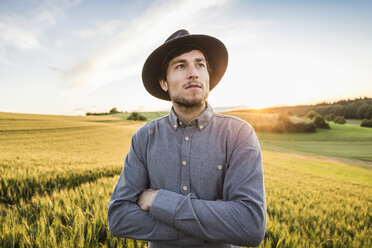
[214,49]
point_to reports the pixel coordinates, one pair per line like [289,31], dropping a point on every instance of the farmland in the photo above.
[348,141]
[58,173]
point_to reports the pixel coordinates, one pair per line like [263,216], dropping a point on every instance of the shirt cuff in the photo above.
[164,206]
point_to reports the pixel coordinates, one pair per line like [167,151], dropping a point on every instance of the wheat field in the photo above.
[58,173]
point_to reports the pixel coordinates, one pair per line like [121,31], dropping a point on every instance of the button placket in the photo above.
[185,159]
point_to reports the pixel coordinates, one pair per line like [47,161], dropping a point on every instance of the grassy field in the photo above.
[353,122]
[58,173]
[149,115]
[348,141]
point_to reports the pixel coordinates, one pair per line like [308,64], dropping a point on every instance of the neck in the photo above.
[190,112]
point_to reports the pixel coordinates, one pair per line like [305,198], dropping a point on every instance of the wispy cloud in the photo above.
[21,31]
[107,28]
[124,54]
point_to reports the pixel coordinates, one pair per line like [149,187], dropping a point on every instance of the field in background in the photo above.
[46,153]
[149,115]
[58,173]
[349,141]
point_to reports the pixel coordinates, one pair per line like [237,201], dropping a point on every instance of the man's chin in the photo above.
[188,103]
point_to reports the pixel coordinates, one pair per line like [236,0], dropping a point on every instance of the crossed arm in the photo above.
[148,214]
[146,198]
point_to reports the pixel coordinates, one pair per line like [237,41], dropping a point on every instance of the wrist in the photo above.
[154,193]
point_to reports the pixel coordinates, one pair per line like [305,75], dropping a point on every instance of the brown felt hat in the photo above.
[214,49]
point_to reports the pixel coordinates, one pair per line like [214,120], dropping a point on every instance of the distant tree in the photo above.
[285,123]
[89,113]
[320,122]
[114,111]
[362,111]
[309,127]
[311,114]
[338,110]
[329,117]
[339,120]
[282,122]
[366,123]
[369,112]
[350,110]
[283,117]
[135,116]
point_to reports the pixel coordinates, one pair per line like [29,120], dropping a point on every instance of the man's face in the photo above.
[187,79]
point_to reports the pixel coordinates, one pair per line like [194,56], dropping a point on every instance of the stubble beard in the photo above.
[189,103]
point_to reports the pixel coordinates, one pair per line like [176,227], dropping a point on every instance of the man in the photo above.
[193,178]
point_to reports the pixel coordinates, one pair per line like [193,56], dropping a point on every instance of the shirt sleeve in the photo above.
[125,217]
[239,219]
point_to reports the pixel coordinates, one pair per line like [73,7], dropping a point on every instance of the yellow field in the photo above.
[46,153]
[58,173]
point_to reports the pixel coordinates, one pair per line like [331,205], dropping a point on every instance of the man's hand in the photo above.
[146,198]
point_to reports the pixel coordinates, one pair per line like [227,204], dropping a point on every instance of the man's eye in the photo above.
[180,66]
[201,65]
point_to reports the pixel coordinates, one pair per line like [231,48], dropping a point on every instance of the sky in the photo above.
[75,56]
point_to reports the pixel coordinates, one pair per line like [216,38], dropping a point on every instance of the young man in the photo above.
[193,178]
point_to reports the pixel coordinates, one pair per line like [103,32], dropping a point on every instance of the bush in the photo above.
[289,124]
[301,127]
[320,122]
[339,120]
[135,116]
[308,127]
[283,118]
[114,111]
[268,128]
[366,123]
[89,113]
[329,117]
[311,114]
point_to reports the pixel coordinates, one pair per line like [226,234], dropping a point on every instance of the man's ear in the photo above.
[163,84]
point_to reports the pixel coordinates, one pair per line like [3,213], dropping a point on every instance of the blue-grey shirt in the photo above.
[209,173]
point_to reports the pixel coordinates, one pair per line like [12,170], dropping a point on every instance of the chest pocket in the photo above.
[212,178]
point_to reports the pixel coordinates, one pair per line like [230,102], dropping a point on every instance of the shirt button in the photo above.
[175,126]
[201,126]
[186,138]
[184,162]
[219,167]
[184,188]
[180,123]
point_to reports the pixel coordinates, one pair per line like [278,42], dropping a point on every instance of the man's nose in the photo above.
[193,72]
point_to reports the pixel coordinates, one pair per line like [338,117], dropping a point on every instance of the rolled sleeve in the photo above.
[165,205]
[125,217]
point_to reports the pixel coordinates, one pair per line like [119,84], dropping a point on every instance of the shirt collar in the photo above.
[201,121]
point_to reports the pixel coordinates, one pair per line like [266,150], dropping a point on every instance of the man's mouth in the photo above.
[193,86]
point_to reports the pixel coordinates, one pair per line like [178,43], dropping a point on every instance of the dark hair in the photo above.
[177,52]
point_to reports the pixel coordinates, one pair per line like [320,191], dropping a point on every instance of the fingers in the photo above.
[146,198]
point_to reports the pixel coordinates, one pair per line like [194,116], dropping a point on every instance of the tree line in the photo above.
[359,108]
[111,112]
[134,116]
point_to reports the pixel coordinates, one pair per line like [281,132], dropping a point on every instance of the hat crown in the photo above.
[177,34]
[213,49]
